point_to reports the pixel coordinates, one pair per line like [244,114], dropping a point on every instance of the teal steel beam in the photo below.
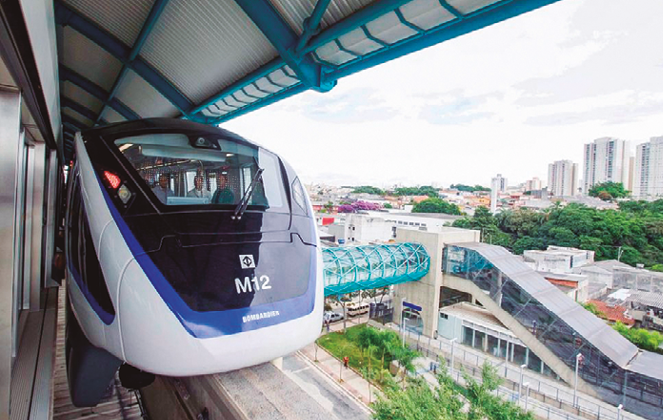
[72,123]
[285,93]
[352,22]
[312,24]
[67,74]
[86,112]
[150,22]
[284,39]
[68,17]
[451,9]
[479,19]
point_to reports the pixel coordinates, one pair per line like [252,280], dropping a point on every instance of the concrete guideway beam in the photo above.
[523,334]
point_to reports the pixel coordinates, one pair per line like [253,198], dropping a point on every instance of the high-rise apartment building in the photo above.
[648,173]
[563,178]
[533,184]
[497,185]
[605,160]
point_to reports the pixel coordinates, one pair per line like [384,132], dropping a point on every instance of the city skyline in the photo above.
[507,99]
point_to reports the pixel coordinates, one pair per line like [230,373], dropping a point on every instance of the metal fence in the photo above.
[556,401]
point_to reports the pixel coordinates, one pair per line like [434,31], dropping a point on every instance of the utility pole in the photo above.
[520,385]
[579,359]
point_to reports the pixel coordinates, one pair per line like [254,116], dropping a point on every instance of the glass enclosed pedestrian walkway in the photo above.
[350,269]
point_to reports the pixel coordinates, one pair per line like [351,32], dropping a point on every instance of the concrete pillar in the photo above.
[278,362]
[10,181]
[426,291]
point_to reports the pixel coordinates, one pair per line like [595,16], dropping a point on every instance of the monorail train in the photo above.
[190,251]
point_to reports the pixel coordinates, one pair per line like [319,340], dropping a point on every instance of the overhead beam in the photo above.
[243,82]
[97,91]
[72,123]
[285,93]
[150,22]
[84,111]
[470,22]
[352,22]
[284,39]
[68,17]
[312,24]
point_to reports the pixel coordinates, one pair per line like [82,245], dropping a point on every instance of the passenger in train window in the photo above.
[162,191]
[198,190]
[223,194]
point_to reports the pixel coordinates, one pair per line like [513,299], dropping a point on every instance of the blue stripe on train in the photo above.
[216,323]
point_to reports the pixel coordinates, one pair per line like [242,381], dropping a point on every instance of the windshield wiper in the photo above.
[244,202]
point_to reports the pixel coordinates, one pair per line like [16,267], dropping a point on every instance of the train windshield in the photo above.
[189,170]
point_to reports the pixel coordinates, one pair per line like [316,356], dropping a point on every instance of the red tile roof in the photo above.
[613,313]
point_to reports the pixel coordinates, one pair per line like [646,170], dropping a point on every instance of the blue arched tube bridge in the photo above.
[353,268]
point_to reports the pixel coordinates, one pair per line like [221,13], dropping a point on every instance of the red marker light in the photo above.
[112,179]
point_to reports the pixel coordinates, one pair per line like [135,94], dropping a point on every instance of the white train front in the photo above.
[189,251]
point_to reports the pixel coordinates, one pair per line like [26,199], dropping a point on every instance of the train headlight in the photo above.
[124,194]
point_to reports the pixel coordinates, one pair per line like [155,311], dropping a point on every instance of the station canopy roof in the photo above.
[212,60]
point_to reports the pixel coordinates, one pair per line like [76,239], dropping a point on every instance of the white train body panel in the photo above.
[148,332]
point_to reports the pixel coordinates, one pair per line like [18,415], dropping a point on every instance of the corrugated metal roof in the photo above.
[210,59]
[338,9]
[202,46]
[426,14]
[78,117]
[468,6]
[141,97]
[81,96]
[591,328]
[112,116]
[648,364]
[389,29]
[88,59]
[122,18]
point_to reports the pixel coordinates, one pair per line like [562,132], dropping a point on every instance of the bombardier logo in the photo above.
[262,315]
[247,261]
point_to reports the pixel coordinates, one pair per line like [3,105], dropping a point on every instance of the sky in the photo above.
[510,99]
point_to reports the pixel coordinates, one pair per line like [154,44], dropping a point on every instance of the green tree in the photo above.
[656,267]
[388,206]
[367,189]
[419,402]
[436,205]
[647,340]
[608,191]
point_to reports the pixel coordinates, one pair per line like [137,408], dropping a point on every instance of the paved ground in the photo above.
[315,379]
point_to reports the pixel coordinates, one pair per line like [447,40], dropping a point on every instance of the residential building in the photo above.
[497,185]
[605,160]
[533,184]
[562,178]
[648,172]
[558,259]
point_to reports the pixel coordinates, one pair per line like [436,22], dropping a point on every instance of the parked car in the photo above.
[333,316]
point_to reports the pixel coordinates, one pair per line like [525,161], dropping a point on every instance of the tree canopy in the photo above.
[636,229]
[423,190]
[608,191]
[367,189]
[468,188]
[436,205]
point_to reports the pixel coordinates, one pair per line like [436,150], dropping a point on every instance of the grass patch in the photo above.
[341,345]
